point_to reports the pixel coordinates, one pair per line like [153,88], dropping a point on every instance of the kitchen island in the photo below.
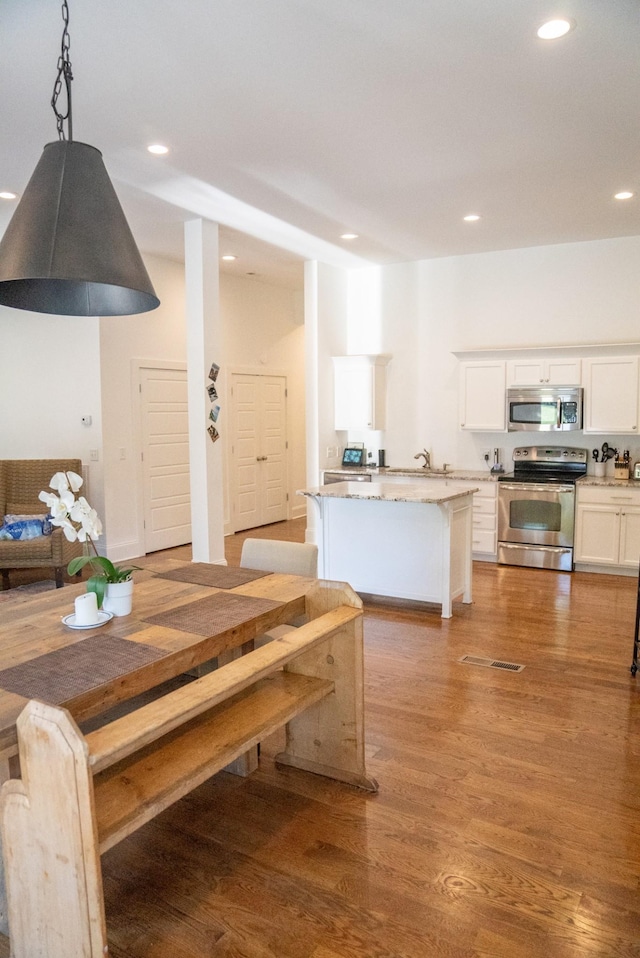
[410,541]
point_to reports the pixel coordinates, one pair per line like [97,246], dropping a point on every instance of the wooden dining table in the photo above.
[187,619]
[184,616]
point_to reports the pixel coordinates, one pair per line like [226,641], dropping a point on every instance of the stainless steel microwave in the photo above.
[546,409]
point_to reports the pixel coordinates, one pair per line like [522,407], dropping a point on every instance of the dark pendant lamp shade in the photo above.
[68,248]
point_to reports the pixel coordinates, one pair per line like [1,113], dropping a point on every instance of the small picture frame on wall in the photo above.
[213,372]
[213,392]
[214,413]
[213,433]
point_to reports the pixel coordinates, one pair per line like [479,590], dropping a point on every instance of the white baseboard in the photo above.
[605,569]
[123,551]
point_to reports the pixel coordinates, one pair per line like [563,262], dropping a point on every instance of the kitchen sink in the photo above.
[421,471]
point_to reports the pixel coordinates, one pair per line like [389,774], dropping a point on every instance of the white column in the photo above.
[311,388]
[204,347]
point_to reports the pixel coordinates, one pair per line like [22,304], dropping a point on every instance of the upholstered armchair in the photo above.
[21,481]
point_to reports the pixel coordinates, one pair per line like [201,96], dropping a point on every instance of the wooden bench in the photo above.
[81,794]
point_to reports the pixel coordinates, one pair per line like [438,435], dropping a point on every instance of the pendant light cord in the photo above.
[64,74]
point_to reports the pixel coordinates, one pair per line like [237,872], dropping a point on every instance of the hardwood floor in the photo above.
[507,824]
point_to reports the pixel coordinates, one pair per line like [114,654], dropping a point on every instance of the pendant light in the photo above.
[68,248]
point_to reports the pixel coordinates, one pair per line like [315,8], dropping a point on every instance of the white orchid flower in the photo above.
[79,521]
[79,509]
[75,481]
[67,499]
[91,527]
[69,530]
[89,530]
[63,481]
[58,510]
[59,482]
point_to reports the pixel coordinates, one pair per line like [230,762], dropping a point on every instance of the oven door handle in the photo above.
[534,487]
[559,422]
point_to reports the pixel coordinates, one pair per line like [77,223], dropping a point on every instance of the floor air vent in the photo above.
[491,663]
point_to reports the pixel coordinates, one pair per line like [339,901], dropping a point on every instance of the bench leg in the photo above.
[5,580]
[248,762]
[50,842]
[9,768]
[328,738]
[59,576]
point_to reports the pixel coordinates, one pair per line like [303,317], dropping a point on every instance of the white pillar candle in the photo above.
[86,609]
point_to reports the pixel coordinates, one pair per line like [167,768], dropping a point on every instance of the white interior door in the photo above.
[165,458]
[258,450]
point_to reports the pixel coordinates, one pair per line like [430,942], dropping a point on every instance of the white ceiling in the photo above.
[293,121]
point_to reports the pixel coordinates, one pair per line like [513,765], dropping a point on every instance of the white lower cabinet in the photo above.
[485,521]
[608,527]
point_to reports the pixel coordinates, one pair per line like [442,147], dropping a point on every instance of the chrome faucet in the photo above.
[427,458]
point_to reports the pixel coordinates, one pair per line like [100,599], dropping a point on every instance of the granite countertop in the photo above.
[466,474]
[609,481]
[423,491]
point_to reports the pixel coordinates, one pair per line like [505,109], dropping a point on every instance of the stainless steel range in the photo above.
[536,506]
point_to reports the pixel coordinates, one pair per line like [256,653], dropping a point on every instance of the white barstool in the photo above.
[277,555]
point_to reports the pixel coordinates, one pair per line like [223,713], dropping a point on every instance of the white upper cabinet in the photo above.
[360,391]
[544,372]
[611,394]
[482,396]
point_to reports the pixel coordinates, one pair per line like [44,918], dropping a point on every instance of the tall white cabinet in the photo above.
[611,394]
[482,396]
[360,391]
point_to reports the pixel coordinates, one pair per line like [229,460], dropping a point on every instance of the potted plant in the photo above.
[111,583]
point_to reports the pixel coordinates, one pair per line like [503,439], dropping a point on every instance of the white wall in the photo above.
[158,335]
[57,369]
[582,293]
[550,295]
[263,332]
[331,340]
[262,328]
[50,378]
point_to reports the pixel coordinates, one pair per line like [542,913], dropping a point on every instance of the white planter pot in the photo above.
[118,597]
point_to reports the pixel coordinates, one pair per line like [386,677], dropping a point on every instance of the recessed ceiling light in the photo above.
[158,149]
[349,236]
[553,29]
[229,257]
[7,195]
[471,218]
[623,195]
